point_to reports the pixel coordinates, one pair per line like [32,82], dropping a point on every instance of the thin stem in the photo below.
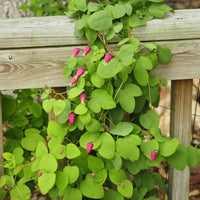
[118,90]
[110,121]
[150,101]
[129,35]
[100,3]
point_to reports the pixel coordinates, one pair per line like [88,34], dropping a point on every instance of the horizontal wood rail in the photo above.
[33,52]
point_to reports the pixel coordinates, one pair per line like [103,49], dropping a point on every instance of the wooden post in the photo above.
[180,127]
[1,141]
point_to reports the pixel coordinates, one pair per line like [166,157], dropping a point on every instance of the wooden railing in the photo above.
[33,52]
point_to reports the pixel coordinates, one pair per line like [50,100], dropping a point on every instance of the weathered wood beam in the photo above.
[180,127]
[59,30]
[37,67]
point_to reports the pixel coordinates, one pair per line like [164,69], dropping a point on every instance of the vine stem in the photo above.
[118,90]
[106,46]
[150,101]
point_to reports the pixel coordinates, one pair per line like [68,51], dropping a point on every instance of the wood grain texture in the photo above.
[59,30]
[180,127]
[37,67]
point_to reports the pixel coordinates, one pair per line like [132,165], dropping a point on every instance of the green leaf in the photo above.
[93,7]
[113,195]
[54,129]
[127,149]
[86,118]
[193,157]
[110,34]
[95,164]
[109,69]
[125,55]
[125,40]
[122,128]
[169,147]
[117,177]
[58,107]
[67,71]
[72,151]
[179,159]
[80,23]
[149,120]
[62,180]
[18,120]
[136,166]
[165,55]
[71,62]
[72,172]
[93,126]
[20,192]
[99,21]
[118,27]
[48,163]
[164,82]
[93,137]
[72,194]
[80,109]
[156,1]
[81,5]
[8,106]
[18,155]
[117,161]
[91,189]
[55,150]
[100,98]
[158,10]
[141,75]
[41,150]
[126,96]
[118,11]
[31,141]
[127,190]
[107,147]
[144,62]
[48,104]
[74,92]
[149,146]
[135,21]
[97,81]
[64,115]
[46,182]
[36,109]
[90,35]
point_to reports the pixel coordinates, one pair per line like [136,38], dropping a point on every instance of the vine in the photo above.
[106,137]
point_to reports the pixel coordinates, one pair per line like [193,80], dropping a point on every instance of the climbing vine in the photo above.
[106,137]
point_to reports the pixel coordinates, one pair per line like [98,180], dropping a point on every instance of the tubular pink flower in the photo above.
[106,128]
[73,80]
[48,138]
[71,120]
[86,50]
[93,175]
[79,72]
[89,147]
[82,97]
[107,58]
[75,52]
[153,155]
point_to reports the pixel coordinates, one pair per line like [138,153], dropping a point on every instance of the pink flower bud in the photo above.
[72,117]
[39,173]
[82,97]
[48,138]
[79,72]
[73,80]
[75,52]
[122,185]
[10,190]
[107,58]
[153,155]
[93,175]
[61,151]
[89,147]
[86,50]
[106,128]
[32,159]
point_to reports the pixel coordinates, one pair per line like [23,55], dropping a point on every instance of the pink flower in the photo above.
[89,147]
[75,52]
[32,159]
[107,58]
[60,151]
[71,120]
[79,72]
[10,190]
[93,175]
[48,138]
[122,185]
[106,128]
[86,50]
[153,155]
[82,97]
[73,80]
[39,173]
